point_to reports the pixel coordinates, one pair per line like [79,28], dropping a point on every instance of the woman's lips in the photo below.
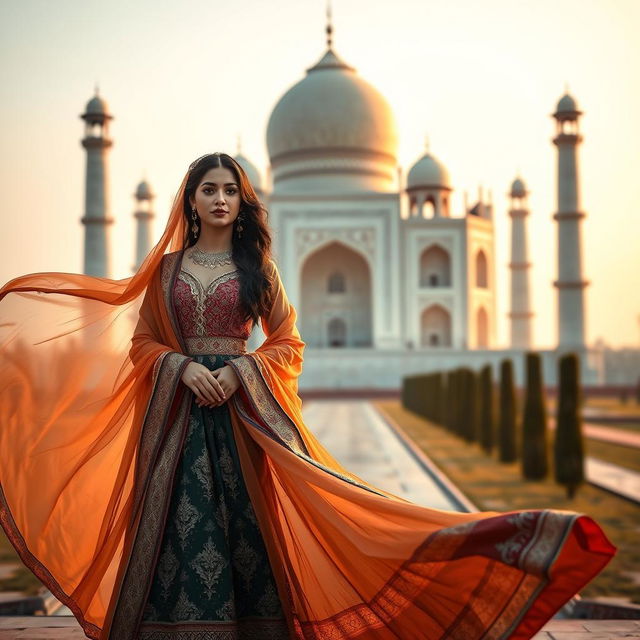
[220,213]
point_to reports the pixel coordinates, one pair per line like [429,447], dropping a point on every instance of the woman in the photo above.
[166,486]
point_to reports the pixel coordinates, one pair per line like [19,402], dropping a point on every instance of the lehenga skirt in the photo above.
[213,578]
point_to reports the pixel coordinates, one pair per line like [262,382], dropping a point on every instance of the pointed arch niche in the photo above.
[435,267]
[482,270]
[435,327]
[335,307]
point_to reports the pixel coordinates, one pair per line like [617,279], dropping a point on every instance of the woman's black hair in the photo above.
[252,252]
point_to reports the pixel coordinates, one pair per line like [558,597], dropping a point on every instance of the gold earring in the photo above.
[239,228]
[194,228]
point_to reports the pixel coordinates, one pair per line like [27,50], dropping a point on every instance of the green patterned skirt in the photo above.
[213,578]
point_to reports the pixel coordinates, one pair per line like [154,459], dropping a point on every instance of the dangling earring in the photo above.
[239,228]
[194,228]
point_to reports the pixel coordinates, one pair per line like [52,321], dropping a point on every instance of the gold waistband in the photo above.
[215,344]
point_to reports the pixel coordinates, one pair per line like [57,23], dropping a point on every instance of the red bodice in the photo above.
[204,314]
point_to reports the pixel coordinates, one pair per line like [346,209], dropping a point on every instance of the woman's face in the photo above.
[218,189]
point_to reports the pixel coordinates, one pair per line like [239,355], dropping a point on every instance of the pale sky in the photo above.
[479,77]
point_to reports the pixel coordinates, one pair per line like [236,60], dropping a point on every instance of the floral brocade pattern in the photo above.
[212,567]
[215,311]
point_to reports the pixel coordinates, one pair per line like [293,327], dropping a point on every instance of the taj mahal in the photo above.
[386,278]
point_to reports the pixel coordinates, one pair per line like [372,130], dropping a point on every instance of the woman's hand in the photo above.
[211,388]
[228,380]
[203,383]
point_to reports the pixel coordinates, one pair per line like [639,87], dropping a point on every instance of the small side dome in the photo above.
[97,106]
[428,171]
[518,188]
[251,170]
[566,104]
[143,191]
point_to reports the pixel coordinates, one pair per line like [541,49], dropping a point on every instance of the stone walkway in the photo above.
[607,475]
[63,628]
[604,432]
[360,439]
[613,477]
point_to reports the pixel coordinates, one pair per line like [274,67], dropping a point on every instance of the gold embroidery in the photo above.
[184,609]
[200,294]
[186,518]
[210,345]
[168,566]
[245,561]
[208,564]
[247,629]
[139,572]
[266,406]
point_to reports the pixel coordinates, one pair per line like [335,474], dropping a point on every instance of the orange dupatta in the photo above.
[91,427]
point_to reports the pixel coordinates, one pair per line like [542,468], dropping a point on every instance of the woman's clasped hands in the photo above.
[211,388]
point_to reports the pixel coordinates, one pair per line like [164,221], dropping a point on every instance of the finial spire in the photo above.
[97,88]
[426,143]
[329,27]
[239,146]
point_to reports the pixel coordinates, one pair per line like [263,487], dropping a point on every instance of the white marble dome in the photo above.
[428,172]
[251,170]
[332,125]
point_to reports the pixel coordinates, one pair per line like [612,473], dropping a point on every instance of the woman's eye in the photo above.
[231,191]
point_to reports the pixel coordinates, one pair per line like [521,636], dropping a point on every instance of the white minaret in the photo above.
[570,283]
[144,215]
[520,314]
[97,219]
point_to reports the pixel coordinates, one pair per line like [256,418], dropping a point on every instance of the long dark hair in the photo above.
[252,252]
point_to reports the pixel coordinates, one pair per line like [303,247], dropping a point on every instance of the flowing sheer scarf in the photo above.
[81,360]
[73,393]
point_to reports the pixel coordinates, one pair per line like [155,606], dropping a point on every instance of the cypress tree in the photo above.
[534,423]
[569,444]
[438,398]
[486,409]
[457,401]
[469,413]
[507,417]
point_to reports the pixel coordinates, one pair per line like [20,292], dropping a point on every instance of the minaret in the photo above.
[570,283]
[144,215]
[97,219]
[520,314]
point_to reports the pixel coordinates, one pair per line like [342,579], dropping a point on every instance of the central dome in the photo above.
[332,121]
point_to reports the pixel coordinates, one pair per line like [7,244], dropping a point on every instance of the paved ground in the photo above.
[359,438]
[605,474]
[612,477]
[59,628]
[607,433]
